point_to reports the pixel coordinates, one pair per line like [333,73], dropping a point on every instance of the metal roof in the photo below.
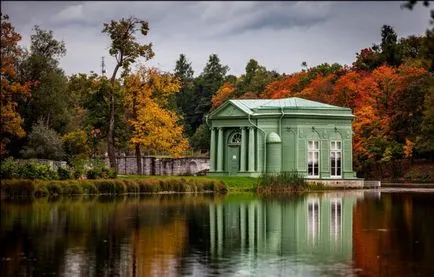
[249,105]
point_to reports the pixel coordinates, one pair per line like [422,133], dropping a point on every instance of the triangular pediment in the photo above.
[228,110]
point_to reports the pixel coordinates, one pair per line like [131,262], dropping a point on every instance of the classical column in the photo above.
[212,222]
[243,150]
[251,149]
[212,151]
[220,230]
[220,150]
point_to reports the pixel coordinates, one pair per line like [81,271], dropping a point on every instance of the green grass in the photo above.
[40,188]
[232,183]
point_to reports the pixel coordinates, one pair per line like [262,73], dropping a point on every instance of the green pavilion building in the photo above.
[252,137]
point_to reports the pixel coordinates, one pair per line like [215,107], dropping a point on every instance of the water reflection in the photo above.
[324,234]
[305,230]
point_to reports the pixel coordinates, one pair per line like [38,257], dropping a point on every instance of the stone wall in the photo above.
[127,165]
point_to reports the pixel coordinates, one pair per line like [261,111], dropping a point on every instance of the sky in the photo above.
[279,35]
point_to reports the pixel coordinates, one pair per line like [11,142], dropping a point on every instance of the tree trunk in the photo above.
[138,159]
[111,131]
[110,136]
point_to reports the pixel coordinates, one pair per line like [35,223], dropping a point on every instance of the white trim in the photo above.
[313,157]
[336,150]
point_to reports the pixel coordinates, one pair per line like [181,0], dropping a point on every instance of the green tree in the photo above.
[201,138]
[126,50]
[206,85]
[43,143]
[255,79]
[389,47]
[49,101]
[184,72]
[97,116]
[425,141]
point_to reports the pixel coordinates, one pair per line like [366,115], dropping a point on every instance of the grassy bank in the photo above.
[39,188]
[285,182]
[232,183]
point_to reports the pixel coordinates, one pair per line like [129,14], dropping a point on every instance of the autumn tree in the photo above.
[153,127]
[126,50]
[225,92]
[11,123]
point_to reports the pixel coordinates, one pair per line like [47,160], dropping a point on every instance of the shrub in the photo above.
[110,186]
[54,188]
[40,189]
[132,186]
[72,187]
[17,187]
[119,186]
[105,186]
[281,181]
[148,185]
[92,174]
[88,187]
[63,173]
[9,169]
[43,142]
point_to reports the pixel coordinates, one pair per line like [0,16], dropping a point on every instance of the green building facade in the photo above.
[252,137]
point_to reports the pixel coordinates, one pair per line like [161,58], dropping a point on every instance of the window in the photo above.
[336,218]
[313,219]
[313,158]
[235,138]
[335,159]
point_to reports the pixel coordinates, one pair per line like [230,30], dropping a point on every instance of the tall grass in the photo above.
[284,181]
[38,188]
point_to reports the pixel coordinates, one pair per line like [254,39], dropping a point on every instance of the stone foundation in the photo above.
[339,183]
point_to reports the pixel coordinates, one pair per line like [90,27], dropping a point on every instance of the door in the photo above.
[234,159]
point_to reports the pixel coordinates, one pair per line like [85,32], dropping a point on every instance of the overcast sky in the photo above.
[279,35]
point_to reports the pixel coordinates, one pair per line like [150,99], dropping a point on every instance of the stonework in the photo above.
[127,165]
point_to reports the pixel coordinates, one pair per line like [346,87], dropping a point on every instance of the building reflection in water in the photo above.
[315,225]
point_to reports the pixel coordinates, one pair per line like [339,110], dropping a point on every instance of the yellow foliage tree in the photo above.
[154,127]
[11,89]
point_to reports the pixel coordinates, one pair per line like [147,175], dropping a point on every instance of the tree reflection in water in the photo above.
[336,233]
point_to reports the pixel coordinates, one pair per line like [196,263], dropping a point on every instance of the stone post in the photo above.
[243,150]
[220,150]
[251,149]
[212,151]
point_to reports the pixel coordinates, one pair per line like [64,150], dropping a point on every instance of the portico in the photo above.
[251,137]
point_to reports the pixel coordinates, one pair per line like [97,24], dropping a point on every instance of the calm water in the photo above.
[352,233]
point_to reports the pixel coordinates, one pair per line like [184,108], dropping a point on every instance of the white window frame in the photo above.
[336,218]
[313,151]
[313,210]
[334,150]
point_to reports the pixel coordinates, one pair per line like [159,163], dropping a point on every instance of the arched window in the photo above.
[235,138]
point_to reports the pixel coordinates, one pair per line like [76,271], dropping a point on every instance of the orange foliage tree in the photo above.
[225,92]
[153,126]
[11,89]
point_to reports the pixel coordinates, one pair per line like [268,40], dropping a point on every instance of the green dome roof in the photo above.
[273,138]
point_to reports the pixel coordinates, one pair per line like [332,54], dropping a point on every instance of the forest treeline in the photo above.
[47,114]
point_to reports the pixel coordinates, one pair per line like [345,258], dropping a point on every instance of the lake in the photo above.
[387,232]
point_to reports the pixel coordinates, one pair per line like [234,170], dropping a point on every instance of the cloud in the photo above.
[280,35]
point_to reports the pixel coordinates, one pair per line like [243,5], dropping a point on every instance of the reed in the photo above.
[40,188]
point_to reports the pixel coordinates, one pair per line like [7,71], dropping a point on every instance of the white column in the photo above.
[212,151]
[220,150]
[251,149]
[243,150]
